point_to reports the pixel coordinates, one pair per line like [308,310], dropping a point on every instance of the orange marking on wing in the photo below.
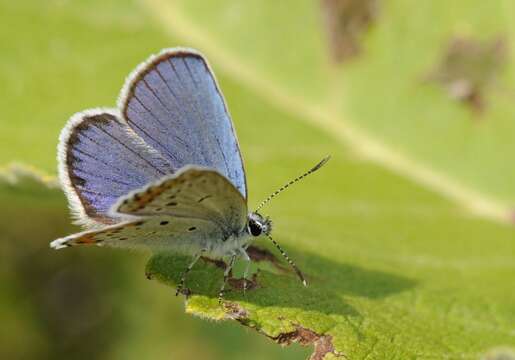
[87,239]
[149,196]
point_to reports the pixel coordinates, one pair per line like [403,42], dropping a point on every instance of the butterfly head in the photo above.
[258,225]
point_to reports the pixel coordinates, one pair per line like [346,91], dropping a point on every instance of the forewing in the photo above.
[192,192]
[173,102]
[101,159]
[182,235]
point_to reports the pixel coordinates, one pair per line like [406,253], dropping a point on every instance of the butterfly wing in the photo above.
[188,211]
[172,114]
[184,235]
[101,159]
[172,101]
[192,192]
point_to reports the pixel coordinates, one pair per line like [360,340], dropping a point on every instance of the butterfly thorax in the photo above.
[257,225]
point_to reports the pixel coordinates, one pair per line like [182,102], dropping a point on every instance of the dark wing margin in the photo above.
[100,159]
[173,102]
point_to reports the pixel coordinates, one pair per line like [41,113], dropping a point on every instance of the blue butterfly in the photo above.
[163,170]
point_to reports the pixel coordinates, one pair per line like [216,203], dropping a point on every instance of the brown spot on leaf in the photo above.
[235,283]
[345,23]
[235,311]
[469,68]
[323,343]
[239,283]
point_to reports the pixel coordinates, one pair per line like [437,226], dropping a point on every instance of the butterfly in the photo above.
[163,170]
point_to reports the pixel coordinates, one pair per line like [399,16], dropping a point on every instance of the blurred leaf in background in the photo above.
[404,236]
[59,57]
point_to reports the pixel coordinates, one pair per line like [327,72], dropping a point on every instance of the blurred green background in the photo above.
[408,229]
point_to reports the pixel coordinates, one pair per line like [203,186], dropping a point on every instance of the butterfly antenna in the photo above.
[285,186]
[290,261]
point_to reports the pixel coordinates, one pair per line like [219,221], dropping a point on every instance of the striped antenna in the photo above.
[290,261]
[285,186]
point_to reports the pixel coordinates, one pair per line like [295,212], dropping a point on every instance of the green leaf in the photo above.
[380,103]
[394,271]
[398,264]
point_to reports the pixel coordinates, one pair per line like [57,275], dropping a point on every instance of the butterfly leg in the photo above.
[226,277]
[185,273]
[247,267]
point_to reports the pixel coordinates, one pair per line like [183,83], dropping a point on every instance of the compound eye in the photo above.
[255,228]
